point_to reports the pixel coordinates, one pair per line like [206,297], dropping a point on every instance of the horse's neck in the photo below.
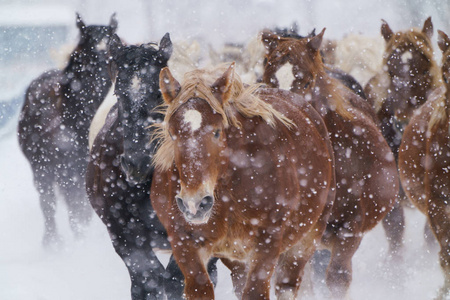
[327,95]
[85,86]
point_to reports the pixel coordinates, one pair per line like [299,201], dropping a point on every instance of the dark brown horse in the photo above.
[119,173]
[409,74]
[54,122]
[243,175]
[424,162]
[366,174]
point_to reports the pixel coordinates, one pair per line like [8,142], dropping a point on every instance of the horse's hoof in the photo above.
[53,243]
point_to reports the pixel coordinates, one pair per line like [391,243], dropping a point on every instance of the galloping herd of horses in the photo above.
[258,173]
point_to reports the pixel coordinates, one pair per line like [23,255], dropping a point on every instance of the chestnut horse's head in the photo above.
[135,70]
[196,123]
[292,63]
[409,62]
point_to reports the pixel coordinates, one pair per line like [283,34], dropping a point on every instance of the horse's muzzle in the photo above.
[196,212]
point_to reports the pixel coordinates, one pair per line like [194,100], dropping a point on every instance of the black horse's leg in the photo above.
[44,184]
[145,270]
[80,211]
[174,281]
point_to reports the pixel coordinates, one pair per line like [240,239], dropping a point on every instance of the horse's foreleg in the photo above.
[238,275]
[174,281]
[146,271]
[290,269]
[198,285]
[261,266]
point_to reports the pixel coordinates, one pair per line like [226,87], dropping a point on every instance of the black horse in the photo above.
[54,123]
[119,173]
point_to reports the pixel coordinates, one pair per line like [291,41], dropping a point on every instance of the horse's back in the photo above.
[40,115]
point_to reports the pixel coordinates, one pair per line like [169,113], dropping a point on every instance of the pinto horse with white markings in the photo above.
[366,174]
[244,175]
[54,124]
[424,162]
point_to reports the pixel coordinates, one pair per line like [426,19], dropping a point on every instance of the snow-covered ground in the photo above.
[91,270]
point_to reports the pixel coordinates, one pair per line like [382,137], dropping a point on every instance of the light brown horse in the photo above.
[366,174]
[244,175]
[424,162]
[409,74]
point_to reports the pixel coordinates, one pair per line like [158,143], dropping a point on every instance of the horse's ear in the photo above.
[80,23]
[113,22]
[443,41]
[114,47]
[386,31]
[428,27]
[270,40]
[315,42]
[165,47]
[222,87]
[169,86]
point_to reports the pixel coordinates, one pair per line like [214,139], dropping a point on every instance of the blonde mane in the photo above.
[438,100]
[197,83]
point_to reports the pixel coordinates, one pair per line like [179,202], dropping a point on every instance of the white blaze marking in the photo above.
[135,83]
[406,56]
[102,46]
[285,76]
[193,118]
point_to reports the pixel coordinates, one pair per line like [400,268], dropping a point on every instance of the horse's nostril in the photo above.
[207,203]
[181,204]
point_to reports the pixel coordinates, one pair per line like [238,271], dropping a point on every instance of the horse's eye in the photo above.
[173,137]
[217,133]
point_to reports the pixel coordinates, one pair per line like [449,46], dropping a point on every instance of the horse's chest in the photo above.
[235,249]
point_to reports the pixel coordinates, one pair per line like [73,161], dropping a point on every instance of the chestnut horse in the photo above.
[366,174]
[424,162]
[54,122]
[119,173]
[244,175]
[408,75]
[285,70]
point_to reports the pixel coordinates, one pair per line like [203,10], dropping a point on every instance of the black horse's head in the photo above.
[135,70]
[96,37]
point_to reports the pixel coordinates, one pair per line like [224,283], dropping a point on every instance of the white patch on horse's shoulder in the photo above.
[193,118]
[135,83]
[285,76]
[406,56]
[100,116]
